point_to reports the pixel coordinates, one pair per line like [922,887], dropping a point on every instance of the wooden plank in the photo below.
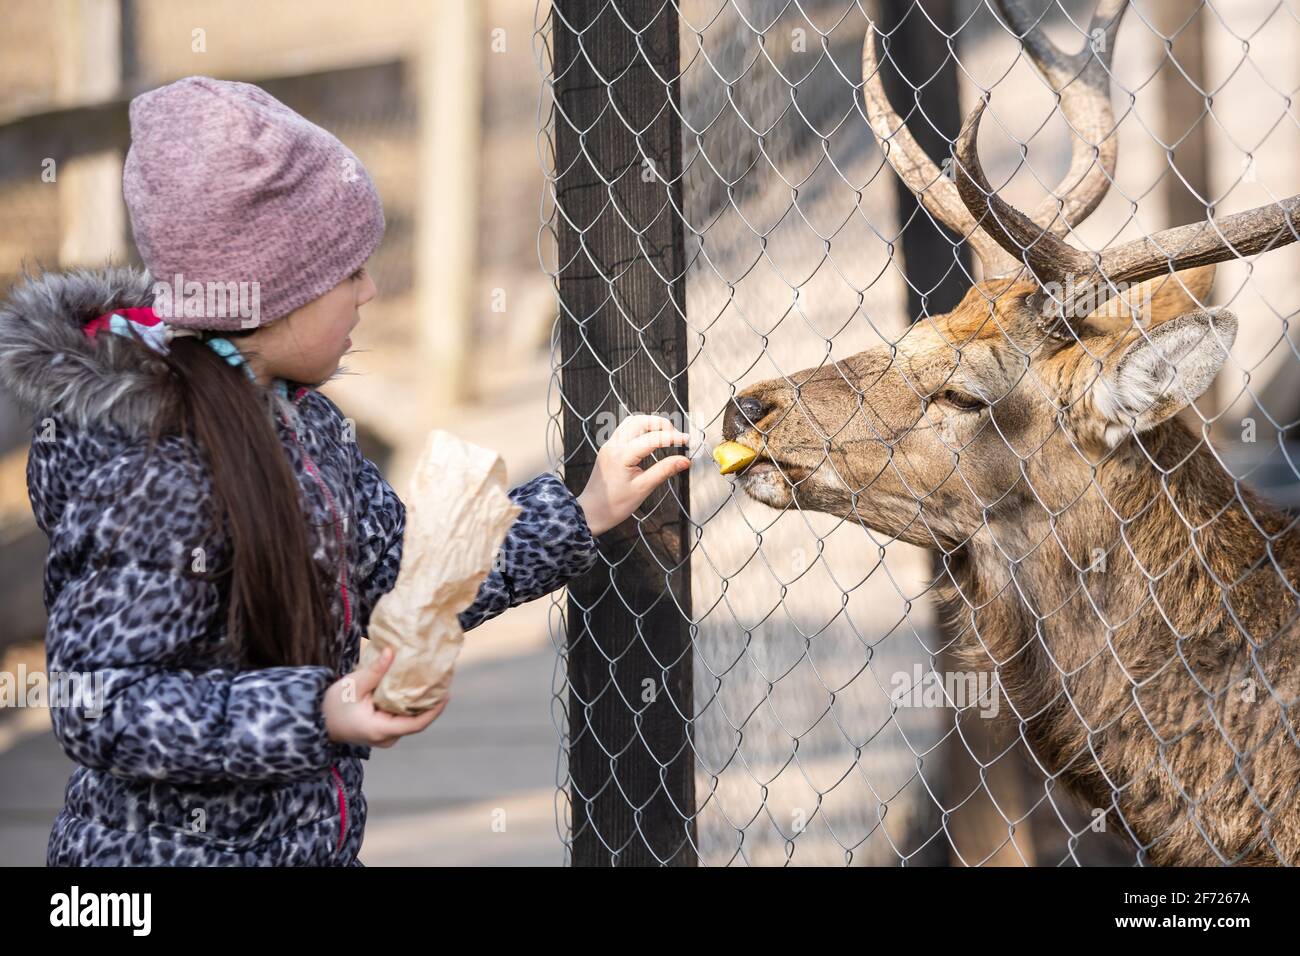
[84,130]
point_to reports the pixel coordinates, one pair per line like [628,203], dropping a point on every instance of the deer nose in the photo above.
[745,413]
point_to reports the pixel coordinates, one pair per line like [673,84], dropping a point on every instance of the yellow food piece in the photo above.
[733,456]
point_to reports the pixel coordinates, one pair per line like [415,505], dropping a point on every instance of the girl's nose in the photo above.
[366,289]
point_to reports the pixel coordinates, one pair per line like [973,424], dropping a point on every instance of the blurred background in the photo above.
[443,101]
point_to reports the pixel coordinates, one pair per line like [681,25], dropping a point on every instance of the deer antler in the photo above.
[1024,240]
[1080,81]
[1094,278]
[1202,243]
[916,169]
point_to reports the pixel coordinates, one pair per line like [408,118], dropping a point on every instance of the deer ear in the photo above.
[1163,370]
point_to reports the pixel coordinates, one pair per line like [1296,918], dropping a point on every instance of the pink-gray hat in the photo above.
[225,184]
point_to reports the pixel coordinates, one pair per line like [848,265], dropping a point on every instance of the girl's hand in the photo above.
[618,485]
[351,716]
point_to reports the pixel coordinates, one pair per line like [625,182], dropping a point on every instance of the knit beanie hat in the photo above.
[233,194]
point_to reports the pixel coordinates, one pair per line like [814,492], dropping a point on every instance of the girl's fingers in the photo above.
[397,725]
[660,472]
[637,448]
[368,677]
[634,426]
[429,716]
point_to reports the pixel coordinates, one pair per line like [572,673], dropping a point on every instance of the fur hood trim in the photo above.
[49,365]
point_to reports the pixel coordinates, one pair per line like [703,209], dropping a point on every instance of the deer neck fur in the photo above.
[1122,628]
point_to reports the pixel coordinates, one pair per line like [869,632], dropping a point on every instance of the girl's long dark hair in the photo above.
[278,614]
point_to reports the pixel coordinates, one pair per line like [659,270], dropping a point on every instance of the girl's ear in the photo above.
[1161,371]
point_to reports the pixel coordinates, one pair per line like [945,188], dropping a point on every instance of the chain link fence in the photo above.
[988,306]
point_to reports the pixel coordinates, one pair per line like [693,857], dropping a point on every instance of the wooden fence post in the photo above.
[624,351]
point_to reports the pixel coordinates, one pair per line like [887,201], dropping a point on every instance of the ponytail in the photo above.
[278,614]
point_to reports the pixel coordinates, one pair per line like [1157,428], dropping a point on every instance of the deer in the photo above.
[1136,603]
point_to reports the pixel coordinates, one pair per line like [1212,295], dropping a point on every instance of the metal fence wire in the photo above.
[985,311]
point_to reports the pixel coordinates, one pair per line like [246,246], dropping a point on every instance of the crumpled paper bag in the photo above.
[457,515]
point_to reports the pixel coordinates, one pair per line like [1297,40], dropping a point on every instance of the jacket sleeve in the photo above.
[549,544]
[126,615]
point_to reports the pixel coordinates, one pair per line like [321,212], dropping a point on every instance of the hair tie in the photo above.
[149,327]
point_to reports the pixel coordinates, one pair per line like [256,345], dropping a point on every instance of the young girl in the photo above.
[217,540]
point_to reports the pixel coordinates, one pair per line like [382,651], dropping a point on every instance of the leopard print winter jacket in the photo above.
[183,758]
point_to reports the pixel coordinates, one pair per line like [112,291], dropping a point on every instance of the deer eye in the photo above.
[960,400]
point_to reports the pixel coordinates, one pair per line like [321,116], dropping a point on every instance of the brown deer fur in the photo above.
[1138,607]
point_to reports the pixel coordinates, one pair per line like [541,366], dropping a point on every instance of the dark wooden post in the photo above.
[1184,112]
[920,77]
[624,351]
